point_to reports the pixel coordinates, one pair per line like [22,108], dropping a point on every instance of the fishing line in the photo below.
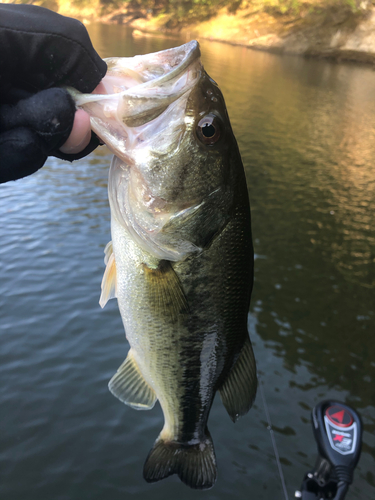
[269,427]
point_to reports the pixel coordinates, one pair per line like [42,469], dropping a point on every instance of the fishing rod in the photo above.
[337,430]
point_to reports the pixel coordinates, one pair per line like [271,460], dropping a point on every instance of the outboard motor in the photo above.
[338,432]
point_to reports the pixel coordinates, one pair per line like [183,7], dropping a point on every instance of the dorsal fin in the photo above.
[109,282]
[239,388]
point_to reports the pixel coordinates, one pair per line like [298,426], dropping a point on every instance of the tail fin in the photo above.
[195,464]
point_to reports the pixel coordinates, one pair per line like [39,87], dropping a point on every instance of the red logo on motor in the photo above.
[338,438]
[339,416]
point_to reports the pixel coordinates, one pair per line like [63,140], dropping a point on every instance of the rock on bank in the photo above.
[331,33]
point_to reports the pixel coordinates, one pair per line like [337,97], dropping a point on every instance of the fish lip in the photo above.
[192,52]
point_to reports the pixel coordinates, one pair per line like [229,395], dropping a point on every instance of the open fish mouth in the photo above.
[141,115]
[136,90]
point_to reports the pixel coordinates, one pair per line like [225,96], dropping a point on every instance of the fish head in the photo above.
[134,105]
[172,180]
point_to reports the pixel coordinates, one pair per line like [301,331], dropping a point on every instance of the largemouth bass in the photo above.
[181,258]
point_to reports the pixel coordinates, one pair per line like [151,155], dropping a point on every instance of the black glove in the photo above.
[40,50]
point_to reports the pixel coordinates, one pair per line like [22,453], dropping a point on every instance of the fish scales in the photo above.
[181,258]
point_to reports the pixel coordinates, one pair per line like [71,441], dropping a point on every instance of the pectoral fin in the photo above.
[166,295]
[129,386]
[239,389]
[109,278]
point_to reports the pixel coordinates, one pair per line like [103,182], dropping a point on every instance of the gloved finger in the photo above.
[21,154]
[49,113]
[80,134]
[51,50]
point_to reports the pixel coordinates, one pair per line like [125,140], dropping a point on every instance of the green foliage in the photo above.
[295,6]
[281,6]
[353,4]
[182,12]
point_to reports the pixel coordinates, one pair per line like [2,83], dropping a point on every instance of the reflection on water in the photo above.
[306,133]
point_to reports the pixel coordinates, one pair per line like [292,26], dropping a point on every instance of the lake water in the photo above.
[306,130]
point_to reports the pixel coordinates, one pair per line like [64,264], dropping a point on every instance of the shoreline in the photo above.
[339,36]
[333,32]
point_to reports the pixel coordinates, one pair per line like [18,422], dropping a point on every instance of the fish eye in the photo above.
[209,129]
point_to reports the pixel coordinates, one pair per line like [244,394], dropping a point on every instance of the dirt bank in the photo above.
[320,29]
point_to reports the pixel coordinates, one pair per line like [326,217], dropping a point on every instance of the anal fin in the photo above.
[239,388]
[129,386]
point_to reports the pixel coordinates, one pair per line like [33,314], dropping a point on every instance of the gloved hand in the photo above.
[40,51]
